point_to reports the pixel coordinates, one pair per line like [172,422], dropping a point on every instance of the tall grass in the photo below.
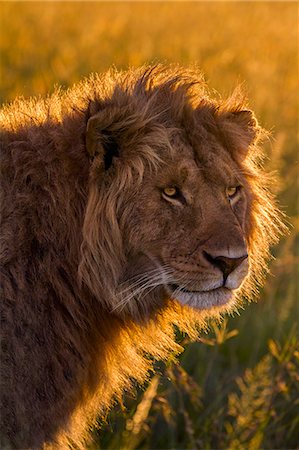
[238,386]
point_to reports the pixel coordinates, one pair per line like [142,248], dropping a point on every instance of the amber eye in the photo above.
[171,191]
[232,191]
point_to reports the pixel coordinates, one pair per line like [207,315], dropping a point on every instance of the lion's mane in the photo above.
[61,251]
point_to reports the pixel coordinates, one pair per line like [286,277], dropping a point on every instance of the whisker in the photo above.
[146,276]
[139,279]
[180,287]
[148,281]
[136,294]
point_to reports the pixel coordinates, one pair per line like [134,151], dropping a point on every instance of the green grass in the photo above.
[238,386]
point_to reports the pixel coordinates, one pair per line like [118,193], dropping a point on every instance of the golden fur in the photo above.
[89,236]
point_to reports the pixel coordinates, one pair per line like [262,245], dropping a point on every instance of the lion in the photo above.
[132,202]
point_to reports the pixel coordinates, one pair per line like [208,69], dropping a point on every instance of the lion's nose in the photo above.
[225,264]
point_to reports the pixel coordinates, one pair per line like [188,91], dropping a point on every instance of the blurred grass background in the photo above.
[238,387]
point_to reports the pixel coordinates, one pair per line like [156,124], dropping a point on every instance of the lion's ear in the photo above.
[239,130]
[101,136]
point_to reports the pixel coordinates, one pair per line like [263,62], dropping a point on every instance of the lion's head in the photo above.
[178,206]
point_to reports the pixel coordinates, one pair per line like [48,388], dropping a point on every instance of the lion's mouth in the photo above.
[200,299]
[178,288]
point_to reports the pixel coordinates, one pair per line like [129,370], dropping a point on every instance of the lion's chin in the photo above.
[203,299]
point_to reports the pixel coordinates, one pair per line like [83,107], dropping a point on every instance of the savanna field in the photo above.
[238,386]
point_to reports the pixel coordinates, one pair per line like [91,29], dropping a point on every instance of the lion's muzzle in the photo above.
[209,278]
[233,270]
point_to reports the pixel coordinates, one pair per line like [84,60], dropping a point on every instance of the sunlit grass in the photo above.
[237,387]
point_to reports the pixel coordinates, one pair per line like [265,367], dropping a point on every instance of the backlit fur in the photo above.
[71,343]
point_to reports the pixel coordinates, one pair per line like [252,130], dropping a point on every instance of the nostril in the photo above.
[228,265]
[225,264]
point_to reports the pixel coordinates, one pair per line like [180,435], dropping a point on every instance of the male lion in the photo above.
[131,202]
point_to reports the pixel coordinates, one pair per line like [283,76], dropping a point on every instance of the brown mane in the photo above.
[54,215]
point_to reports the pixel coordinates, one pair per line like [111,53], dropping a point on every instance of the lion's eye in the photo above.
[173,195]
[171,191]
[232,191]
